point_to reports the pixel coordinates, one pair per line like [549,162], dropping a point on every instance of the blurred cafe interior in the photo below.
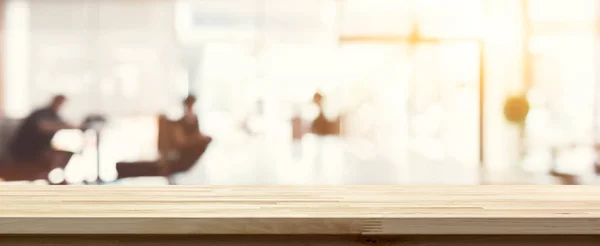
[413,92]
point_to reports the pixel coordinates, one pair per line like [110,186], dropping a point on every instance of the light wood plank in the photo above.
[301,241]
[371,210]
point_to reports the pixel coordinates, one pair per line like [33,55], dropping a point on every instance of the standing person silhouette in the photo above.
[326,132]
[321,126]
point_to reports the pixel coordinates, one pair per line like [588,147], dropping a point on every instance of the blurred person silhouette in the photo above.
[190,142]
[326,133]
[32,143]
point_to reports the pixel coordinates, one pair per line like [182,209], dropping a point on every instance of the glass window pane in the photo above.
[445,102]
[597,96]
[563,94]
[436,18]
[376,17]
[456,18]
[217,79]
[562,10]
[290,21]
[561,16]
[133,15]
[231,20]
[300,21]
[60,15]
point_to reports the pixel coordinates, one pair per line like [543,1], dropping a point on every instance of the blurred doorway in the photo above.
[442,89]
[444,106]
[423,97]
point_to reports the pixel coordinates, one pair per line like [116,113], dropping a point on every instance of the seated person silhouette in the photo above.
[31,144]
[321,126]
[180,145]
[190,142]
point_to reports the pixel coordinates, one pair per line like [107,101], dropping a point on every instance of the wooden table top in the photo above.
[276,210]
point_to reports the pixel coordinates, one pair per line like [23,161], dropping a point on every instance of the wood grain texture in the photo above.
[347,210]
[307,240]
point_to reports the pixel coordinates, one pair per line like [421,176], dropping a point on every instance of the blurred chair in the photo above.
[565,179]
[172,159]
[13,170]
